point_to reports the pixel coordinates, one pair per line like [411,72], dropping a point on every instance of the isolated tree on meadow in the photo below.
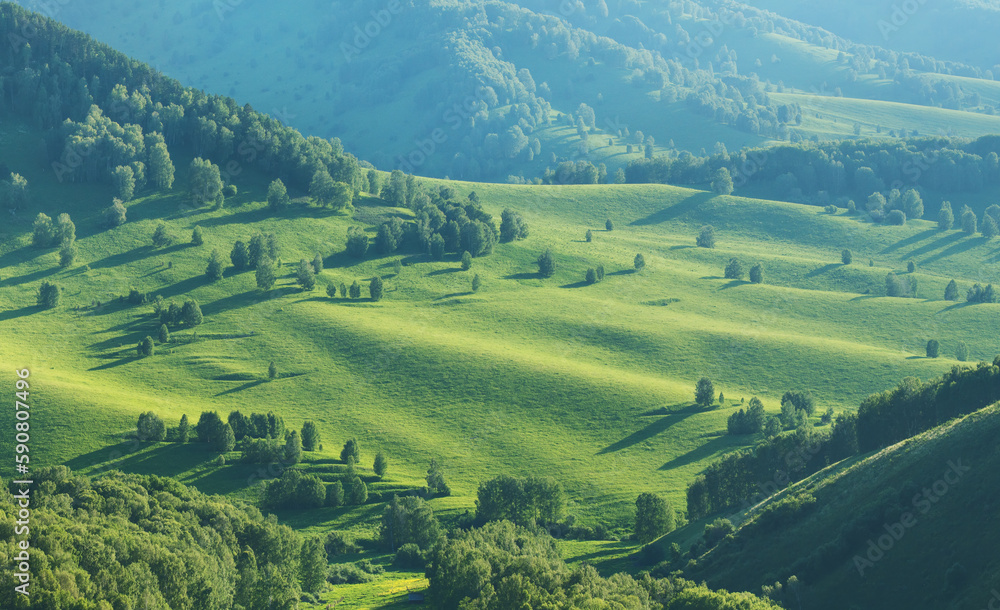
[962,351]
[639,262]
[476,283]
[150,427]
[48,295]
[946,218]
[653,517]
[265,274]
[757,274]
[466,261]
[161,237]
[951,291]
[381,464]
[376,288]
[145,347]
[933,347]
[846,256]
[197,238]
[164,334]
[706,238]
[216,266]
[305,277]
[989,229]
[969,222]
[734,269]
[191,314]
[512,226]
[704,392]
[357,242]
[896,218]
[546,264]
[114,215]
[435,479]
[608,225]
[272,370]
[351,450]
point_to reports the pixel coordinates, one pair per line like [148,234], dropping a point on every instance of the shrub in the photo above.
[896,217]
[932,348]
[734,270]
[706,238]
[409,557]
[546,264]
[846,256]
[757,274]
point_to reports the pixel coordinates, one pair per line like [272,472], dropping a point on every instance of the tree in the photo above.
[546,264]
[911,266]
[355,290]
[608,225]
[653,517]
[589,236]
[313,565]
[272,370]
[591,276]
[277,196]
[226,440]
[962,351]
[893,286]
[913,205]
[164,334]
[512,226]
[409,520]
[722,182]
[436,246]
[114,215]
[704,392]
[265,275]
[358,491]
[989,228]
[64,232]
[321,188]
[150,428]
[67,254]
[305,277]
[969,222]
[335,494]
[161,168]
[191,313]
[466,261]
[310,436]
[215,266]
[734,269]
[381,464]
[932,348]
[706,238]
[317,264]
[945,217]
[376,288]
[357,242]
[183,429]
[293,447]
[639,262]
[600,273]
[42,231]
[951,291]
[206,182]
[896,218]
[162,238]
[757,274]
[48,295]
[395,193]
[240,256]
[209,427]
[351,450]
[846,257]
[123,182]
[435,479]
[476,283]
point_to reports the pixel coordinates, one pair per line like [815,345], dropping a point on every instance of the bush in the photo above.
[347,574]
[114,215]
[757,274]
[896,217]
[846,256]
[591,277]
[48,295]
[962,352]
[409,557]
[608,225]
[706,238]
[933,347]
[734,270]
[717,530]
[546,264]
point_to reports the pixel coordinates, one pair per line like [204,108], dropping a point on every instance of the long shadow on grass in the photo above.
[579,284]
[685,206]
[32,277]
[10,314]
[824,269]
[443,271]
[135,255]
[245,386]
[955,249]
[166,460]
[934,245]
[245,299]
[522,276]
[921,236]
[696,455]
[653,429]
[733,284]
[454,294]
[955,306]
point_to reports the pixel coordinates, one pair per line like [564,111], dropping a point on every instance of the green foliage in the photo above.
[524,501]
[591,276]
[757,274]
[356,492]
[951,291]
[546,264]
[409,520]
[183,429]
[49,295]
[512,226]
[150,427]
[717,530]
[161,168]
[240,256]
[164,335]
[123,182]
[67,254]
[704,392]
[946,218]
[272,370]
[435,480]
[310,436]
[114,216]
[933,347]
[266,275]
[653,517]
[476,283]
[293,448]
[161,237]
[722,182]
[216,266]
[734,269]
[355,290]
[750,422]
[639,262]
[226,440]
[978,294]
[608,225]
[197,238]
[381,464]
[706,238]
[191,315]
[305,276]
[466,261]
[205,182]
[846,256]
[277,196]
[989,228]
[294,489]
[962,351]
[376,288]
[969,222]
[145,347]
[334,494]
[312,565]
[896,217]
[357,242]
[351,450]
[209,427]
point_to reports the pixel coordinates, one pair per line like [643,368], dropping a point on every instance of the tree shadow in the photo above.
[245,386]
[824,269]
[682,247]
[182,287]
[579,284]
[955,249]
[114,364]
[702,452]
[135,255]
[443,271]
[523,276]
[955,306]
[934,245]
[622,272]
[921,236]
[865,297]
[454,294]
[32,277]
[669,213]
[11,314]
[245,299]
[733,284]
[652,429]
